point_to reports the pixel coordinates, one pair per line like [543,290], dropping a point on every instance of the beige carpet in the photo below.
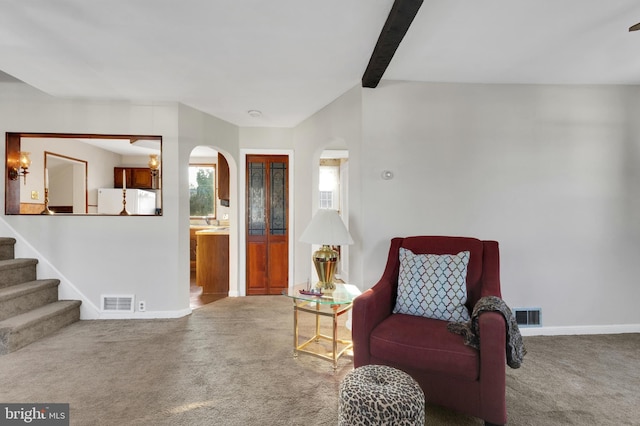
[230,363]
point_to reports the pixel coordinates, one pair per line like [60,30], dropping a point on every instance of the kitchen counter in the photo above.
[212,260]
[197,225]
[219,230]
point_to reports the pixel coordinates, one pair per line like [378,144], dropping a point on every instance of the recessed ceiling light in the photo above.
[254,113]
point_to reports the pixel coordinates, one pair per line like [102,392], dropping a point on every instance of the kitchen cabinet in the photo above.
[137,177]
[223,180]
[212,262]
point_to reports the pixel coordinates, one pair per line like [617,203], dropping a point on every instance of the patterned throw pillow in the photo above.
[433,286]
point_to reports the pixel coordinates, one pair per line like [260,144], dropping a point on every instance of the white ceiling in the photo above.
[140,147]
[289,58]
[124,146]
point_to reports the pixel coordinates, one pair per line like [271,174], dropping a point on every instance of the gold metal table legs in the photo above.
[334,312]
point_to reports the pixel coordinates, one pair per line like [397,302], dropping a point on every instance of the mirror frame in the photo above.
[12,150]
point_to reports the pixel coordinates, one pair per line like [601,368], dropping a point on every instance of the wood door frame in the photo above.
[242,208]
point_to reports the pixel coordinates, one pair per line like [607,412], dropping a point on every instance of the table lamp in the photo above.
[326,228]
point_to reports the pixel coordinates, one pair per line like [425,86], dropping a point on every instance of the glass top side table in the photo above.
[331,305]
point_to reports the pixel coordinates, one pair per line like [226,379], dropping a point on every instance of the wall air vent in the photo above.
[528,317]
[117,303]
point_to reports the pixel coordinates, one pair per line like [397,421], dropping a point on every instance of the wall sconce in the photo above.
[154,165]
[23,163]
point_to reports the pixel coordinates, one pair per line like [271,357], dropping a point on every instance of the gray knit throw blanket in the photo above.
[469,330]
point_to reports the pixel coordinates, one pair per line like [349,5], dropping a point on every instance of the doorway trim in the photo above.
[242,222]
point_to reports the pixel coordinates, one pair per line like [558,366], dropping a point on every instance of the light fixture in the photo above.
[23,162]
[387,174]
[326,228]
[154,165]
[254,113]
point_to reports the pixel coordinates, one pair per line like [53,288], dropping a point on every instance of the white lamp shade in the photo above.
[326,227]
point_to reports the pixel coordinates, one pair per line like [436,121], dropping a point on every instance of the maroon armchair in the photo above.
[450,373]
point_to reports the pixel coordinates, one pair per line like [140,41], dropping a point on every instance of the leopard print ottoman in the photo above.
[380,395]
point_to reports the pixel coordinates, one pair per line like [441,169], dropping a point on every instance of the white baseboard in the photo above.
[143,315]
[580,329]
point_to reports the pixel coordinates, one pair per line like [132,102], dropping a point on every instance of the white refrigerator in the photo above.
[139,201]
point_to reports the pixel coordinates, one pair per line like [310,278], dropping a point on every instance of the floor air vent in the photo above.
[115,303]
[528,317]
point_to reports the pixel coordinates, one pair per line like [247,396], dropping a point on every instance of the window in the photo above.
[202,190]
[329,184]
[326,199]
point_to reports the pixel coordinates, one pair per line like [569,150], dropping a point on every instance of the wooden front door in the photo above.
[267,224]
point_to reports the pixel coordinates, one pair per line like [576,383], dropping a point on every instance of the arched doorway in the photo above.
[333,184]
[209,226]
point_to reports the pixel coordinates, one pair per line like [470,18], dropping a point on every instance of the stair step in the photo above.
[21,298]
[17,271]
[7,248]
[18,331]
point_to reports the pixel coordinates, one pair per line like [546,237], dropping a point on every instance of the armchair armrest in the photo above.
[493,336]
[491,270]
[374,305]
[369,309]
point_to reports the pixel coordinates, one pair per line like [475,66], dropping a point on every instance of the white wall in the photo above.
[337,126]
[62,178]
[199,129]
[266,138]
[551,172]
[94,255]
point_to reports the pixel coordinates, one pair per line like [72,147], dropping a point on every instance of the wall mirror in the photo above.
[83,174]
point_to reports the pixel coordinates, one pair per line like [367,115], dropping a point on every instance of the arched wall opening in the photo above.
[329,190]
[213,221]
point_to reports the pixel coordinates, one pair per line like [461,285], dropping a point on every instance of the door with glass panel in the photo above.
[267,224]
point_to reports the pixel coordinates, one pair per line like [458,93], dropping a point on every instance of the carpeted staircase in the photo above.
[29,308]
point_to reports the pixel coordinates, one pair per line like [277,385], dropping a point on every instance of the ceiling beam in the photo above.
[398,23]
